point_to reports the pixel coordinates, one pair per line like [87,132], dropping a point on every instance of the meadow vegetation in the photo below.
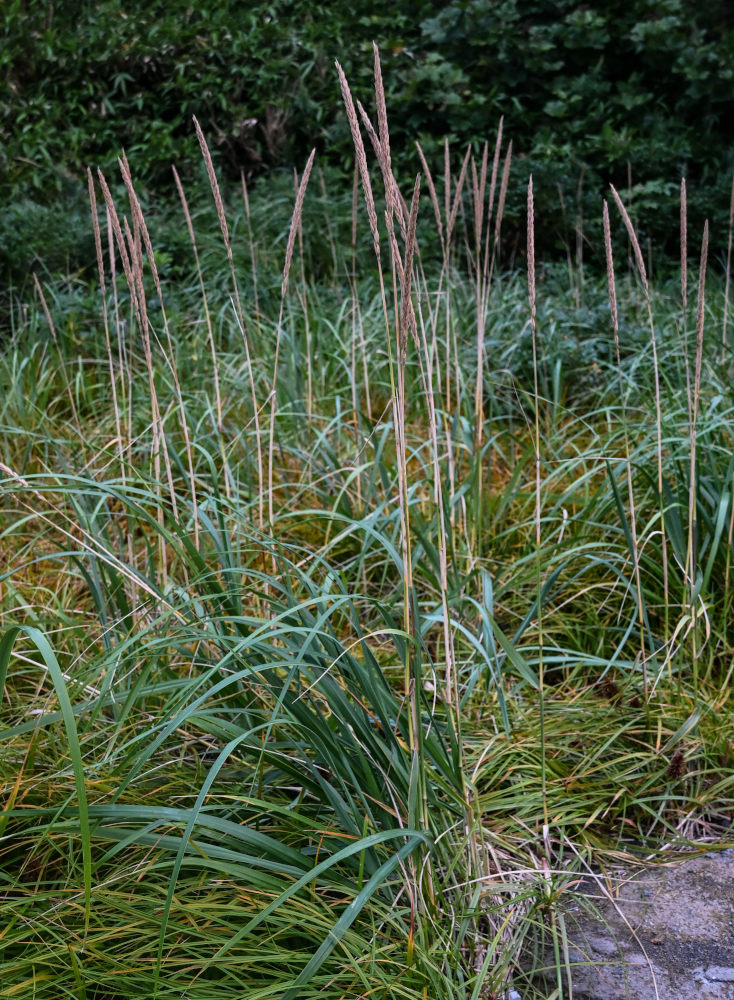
[359,594]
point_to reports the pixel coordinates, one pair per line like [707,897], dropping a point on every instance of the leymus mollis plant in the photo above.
[406,333]
[274,789]
[446,226]
[484,253]
[412,685]
[295,223]
[129,246]
[209,331]
[635,552]
[214,183]
[658,407]
[170,357]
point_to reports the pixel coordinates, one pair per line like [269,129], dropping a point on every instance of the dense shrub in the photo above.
[635,92]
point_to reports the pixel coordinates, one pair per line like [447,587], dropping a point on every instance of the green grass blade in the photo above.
[43,646]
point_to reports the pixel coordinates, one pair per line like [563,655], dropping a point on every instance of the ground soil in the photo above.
[665,933]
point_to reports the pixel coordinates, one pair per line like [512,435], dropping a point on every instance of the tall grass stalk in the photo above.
[538,508]
[120,332]
[446,225]
[633,538]
[402,273]
[302,294]
[130,249]
[396,377]
[483,276]
[684,245]
[684,290]
[658,407]
[357,325]
[294,227]
[402,309]
[692,545]
[209,332]
[260,485]
[170,356]
[105,318]
[253,261]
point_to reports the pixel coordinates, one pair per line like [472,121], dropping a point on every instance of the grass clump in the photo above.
[346,622]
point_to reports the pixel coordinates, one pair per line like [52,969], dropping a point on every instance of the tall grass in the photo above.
[339,632]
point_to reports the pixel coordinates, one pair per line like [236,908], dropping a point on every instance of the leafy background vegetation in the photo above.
[634,93]
[352,607]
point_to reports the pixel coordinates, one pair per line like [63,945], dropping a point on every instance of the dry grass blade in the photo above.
[139,308]
[457,196]
[633,240]
[447,178]
[295,224]
[502,198]
[159,446]
[395,203]
[207,315]
[363,170]
[610,280]
[357,325]
[683,245]
[478,200]
[253,254]
[451,210]
[371,131]
[483,182]
[692,506]
[684,289]
[533,332]
[483,279]
[493,187]
[656,375]
[700,316]
[170,357]
[538,567]
[119,238]
[105,318]
[214,184]
[125,387]
[628,465]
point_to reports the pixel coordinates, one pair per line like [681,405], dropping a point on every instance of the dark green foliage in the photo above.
[596,93]
[84,81]
[634,91]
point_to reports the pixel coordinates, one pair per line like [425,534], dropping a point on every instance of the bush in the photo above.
[636,92]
